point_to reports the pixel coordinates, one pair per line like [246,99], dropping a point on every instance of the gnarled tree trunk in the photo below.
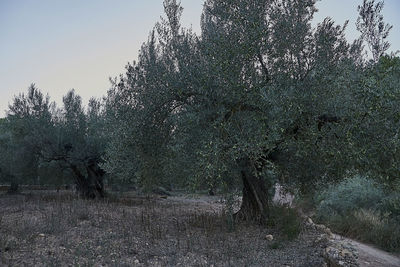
[255,202]
[95,177]
[14,188]
[90,186]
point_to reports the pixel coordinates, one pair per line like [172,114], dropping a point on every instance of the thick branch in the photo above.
[264,67]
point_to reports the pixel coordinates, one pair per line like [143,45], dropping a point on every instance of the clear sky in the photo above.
[65,44]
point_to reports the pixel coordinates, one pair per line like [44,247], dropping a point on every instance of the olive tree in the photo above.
[27,117]
[41,137]
[76,142]
[259,96]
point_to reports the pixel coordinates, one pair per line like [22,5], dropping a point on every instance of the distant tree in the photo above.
[41,137]
[76,143]
[7,174]
[5,153]
[28,115]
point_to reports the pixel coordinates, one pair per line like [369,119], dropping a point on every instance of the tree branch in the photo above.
[264,67]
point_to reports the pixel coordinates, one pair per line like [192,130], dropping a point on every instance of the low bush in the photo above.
[348,196]
[286,220]
[390,206]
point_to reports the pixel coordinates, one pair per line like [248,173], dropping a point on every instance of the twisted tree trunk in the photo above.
[255,202]
[14,188]
[90,186]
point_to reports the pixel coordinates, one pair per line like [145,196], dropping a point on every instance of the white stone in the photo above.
[269,237]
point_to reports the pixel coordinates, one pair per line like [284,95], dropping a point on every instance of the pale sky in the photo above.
[65,44]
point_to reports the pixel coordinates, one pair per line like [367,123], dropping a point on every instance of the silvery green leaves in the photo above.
[373,29]
[259,93]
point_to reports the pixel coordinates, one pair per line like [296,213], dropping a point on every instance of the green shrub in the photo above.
[390,206]
[350,195]
[359,208]
[372,227]
[286,220]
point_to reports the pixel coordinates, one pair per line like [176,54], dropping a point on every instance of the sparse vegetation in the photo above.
[61,229]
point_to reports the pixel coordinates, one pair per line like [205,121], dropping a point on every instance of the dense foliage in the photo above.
[38,139]
[349,196]
[259,96]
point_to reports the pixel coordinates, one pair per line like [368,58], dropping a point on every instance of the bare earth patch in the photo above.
[53,229]
[371,256]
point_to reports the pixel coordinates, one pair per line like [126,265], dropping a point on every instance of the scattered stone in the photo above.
[269,237]
[337,255]
[345,253]
[41,235]
[322,240]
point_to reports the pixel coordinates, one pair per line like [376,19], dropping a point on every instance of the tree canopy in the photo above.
[39,138]
[259,96]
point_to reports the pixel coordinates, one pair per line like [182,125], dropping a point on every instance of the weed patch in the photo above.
[286,220]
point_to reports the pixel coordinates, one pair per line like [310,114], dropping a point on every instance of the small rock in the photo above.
[42,235]
[269,237]
[345,253]
[322,240]
[320,227]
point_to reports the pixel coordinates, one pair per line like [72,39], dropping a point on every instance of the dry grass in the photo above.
[60,230]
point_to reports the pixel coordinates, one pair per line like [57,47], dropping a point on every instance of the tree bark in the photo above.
[95,177]
[255,201]
[92,186]
[14,188]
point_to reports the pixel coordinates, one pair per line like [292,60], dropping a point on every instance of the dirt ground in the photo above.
[57,229]
[371,256]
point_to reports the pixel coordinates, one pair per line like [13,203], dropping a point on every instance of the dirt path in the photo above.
[367,254]
[371,256]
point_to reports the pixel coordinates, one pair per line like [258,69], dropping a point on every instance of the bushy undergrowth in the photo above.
[348,196]
[362,209]
[286,220]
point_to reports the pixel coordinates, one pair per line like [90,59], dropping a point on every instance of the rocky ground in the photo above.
[53,229]
[371,256]
[57,229]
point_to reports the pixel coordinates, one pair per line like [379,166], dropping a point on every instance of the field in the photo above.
[57,229]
